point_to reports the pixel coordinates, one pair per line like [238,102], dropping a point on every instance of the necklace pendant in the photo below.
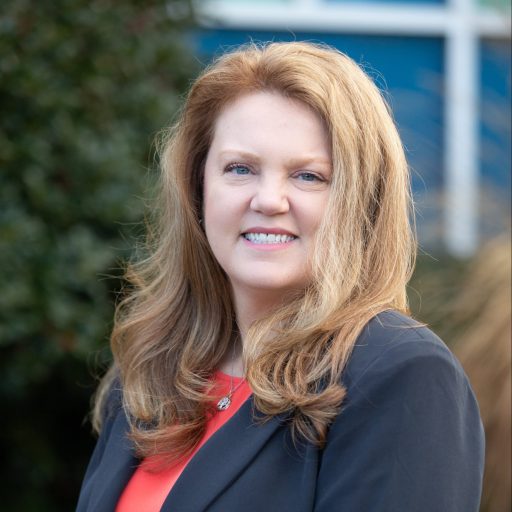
[223,403]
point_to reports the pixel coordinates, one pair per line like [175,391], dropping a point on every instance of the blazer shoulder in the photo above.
[114,400]
[393,339]
[409,423]
[112,403]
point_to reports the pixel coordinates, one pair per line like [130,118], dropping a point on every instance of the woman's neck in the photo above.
[253,305]
[233,364]
[250,306]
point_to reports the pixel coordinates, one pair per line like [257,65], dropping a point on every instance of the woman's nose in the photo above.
[270,196]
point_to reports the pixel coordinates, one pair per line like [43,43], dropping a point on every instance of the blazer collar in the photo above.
[215,465]
[219,461]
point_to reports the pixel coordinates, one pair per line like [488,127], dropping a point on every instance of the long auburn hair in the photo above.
[177,321]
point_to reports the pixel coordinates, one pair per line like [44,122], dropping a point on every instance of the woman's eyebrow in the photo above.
[238,153]
[310,159]
[291,162]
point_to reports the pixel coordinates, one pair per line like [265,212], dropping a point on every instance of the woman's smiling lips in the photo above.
[267,238]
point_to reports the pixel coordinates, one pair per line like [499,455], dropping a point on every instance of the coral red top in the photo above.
[146,491]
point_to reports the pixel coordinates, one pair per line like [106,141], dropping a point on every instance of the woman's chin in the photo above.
[274,287]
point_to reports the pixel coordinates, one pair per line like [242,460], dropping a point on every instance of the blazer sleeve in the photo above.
[409,437]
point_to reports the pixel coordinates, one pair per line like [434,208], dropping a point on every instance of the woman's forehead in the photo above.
[246,123]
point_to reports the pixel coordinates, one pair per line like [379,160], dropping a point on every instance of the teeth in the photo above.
[264,238]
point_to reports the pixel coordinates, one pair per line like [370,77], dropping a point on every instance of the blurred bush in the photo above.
[84,86]
[483,343]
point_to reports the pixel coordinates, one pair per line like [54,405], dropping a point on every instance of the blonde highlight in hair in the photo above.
[177,322]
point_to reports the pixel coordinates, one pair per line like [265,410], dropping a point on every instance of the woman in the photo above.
[263,360]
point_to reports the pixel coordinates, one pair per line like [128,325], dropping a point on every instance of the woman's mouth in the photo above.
[268,238]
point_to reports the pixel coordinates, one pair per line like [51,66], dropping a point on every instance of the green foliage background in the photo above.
[84,87]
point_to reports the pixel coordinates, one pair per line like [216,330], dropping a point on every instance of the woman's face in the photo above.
[266,185]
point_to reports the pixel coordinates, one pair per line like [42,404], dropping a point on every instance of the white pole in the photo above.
[461,135]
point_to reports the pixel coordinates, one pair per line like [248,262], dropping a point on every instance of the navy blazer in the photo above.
[408,439]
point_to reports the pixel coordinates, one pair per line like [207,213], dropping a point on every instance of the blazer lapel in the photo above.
[116,469]
[216,465]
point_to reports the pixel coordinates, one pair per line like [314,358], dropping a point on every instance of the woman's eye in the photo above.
[238,169]
[309,176]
